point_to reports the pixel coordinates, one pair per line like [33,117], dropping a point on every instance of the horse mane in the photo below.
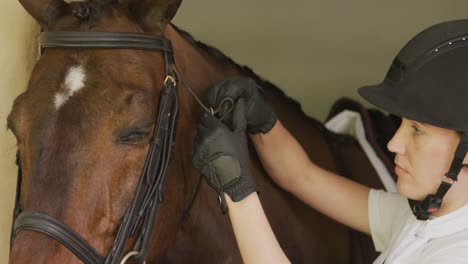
[246,71]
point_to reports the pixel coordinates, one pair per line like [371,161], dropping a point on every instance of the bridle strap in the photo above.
[142,212]
[432,202]
[139,219]
[105,40]
[43,223]
[17,209]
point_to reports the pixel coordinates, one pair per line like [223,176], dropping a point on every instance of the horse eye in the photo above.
[134,137]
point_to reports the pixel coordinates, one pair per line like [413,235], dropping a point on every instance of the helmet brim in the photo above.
[389,99]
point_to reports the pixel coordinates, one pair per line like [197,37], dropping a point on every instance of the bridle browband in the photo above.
[106,40]
[139,219]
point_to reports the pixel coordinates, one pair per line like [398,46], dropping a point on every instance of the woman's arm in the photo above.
[255,238]
[290,167]
[223,157]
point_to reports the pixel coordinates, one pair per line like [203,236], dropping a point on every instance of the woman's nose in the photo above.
[397,143]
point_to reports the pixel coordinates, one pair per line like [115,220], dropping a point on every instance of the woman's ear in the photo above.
[153,14]
[44,11]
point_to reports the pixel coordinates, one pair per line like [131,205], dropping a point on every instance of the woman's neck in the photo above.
[456,197]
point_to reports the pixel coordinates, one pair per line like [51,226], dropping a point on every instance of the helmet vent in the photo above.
[460,41]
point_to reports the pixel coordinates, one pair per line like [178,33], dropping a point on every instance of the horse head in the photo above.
[84,127]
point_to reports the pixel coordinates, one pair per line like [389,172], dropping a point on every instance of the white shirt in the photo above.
[403,239]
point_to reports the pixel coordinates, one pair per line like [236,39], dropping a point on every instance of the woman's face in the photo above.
[423,155]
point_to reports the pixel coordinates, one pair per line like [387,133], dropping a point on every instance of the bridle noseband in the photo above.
[139,219]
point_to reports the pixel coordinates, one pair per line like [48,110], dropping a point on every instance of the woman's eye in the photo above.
[416,129]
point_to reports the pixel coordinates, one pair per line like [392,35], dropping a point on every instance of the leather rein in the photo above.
[139,219]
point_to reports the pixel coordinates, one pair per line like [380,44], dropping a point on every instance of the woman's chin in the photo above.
[407,191]
[410,191]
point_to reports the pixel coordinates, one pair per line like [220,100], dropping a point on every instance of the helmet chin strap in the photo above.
[431,204]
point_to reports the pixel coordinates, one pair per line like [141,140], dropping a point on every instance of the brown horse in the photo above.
[81,103]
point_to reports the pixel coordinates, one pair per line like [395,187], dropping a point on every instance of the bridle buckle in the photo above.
[170,78]
[448,180]
[129,255]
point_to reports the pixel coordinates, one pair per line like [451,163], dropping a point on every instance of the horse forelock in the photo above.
[93,15]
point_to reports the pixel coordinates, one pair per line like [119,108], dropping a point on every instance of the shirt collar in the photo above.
[448,224]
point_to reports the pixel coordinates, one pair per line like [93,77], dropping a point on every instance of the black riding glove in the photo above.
[259,114]
[223,157]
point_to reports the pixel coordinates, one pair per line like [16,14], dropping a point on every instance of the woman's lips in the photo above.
[399,170]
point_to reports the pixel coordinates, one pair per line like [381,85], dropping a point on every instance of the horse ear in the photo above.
[153,14]
[44,11]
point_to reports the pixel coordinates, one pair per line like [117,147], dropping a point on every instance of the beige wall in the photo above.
[316,50]
[16,57]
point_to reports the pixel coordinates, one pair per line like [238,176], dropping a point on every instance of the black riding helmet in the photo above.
[428,82]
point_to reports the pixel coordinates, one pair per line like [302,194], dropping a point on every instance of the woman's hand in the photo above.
[259,114]
[222,155]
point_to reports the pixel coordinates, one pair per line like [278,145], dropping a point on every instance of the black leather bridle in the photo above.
[139,218]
